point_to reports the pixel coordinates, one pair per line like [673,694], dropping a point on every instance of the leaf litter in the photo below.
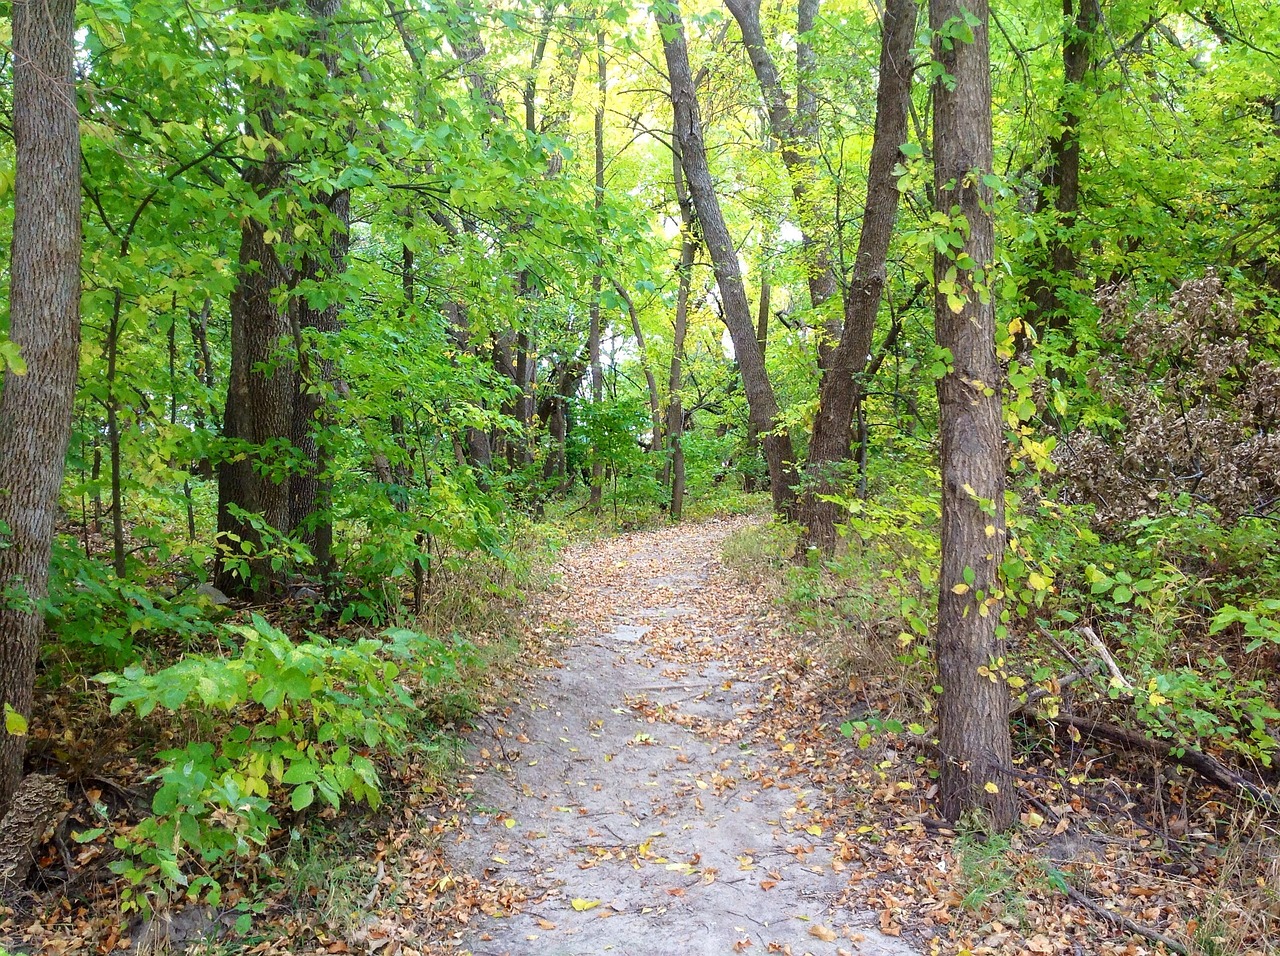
[662,771]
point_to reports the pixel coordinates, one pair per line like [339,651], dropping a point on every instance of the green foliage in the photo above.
[109,621]
[1182,602]
[274,726]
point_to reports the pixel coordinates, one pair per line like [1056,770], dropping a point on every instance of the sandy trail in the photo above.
[623,793]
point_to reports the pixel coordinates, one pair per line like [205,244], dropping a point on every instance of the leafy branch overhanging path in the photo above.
[636,793]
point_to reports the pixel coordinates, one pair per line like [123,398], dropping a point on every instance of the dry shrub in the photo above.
[1198,400]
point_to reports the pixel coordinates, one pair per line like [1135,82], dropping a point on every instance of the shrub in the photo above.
[277,725]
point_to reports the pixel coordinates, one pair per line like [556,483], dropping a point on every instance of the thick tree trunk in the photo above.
[840,387]
[44,322]
[260,386]
[311,488]
[973,728]
[761,402]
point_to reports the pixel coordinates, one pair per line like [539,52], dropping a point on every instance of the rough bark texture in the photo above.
[761,402]
[260,386]
[973,729]
[311,488]
[840,388]
[44,322]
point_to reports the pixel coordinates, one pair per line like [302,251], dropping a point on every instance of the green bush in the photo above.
[276,726]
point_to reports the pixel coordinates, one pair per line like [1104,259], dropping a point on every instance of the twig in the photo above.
[1126,923]
[1040,693]
[1089,635]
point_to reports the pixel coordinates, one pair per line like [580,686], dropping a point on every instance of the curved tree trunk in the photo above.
[44,322]
[973,725]
[796,136]
[761,402]
[840,388]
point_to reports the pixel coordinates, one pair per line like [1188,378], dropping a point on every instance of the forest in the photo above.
[334,331]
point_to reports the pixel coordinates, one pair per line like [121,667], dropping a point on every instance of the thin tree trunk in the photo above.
[973,726]
[761,402]
[1061,182]
[840,386]
[113,437]
[597,374]
[651,382]
[762,337]
[796,135]
[44,322]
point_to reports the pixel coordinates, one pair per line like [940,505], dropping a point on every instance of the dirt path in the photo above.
[624,793]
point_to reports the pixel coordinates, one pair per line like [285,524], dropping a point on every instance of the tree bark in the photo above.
[761,402]
[675,408]
[44,322]
[973,730]
[796,136]
[1061,182]
[840,387]
[597,373]
[311,488]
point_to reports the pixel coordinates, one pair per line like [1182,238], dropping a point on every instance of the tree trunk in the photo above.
[44,322]
[796,136]
[675,409]
[761,402]
[597,374]
[311,488]
[260,386]
[841,381]
[973,728]
[1061,182]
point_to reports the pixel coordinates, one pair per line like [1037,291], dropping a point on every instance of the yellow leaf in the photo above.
[990,787]
[581,905]
[1156,699]
[813,830]
[508,823]
[960,588]
[1037,581]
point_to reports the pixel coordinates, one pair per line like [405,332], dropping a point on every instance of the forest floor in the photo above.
[639,794]
[660,770]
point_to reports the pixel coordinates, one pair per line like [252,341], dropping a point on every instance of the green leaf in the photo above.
[14,723]
[302,797]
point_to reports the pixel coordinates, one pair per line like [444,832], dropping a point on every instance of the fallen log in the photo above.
[1208,767]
